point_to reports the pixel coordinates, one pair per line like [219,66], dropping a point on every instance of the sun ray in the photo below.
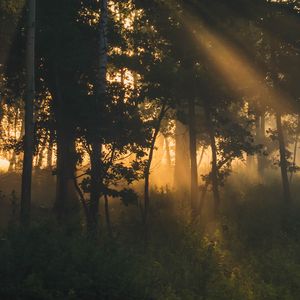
[243,76]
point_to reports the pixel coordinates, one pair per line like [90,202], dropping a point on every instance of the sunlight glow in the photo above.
[242,76]
[4,165]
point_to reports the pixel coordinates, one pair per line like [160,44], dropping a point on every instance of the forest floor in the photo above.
[252,252]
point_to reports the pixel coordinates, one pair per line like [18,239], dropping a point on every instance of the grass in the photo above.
[250,253]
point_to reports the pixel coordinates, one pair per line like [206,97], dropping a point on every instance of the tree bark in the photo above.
[295,148]
[283,161]
[148,166]
[96,147]
[40,155]
[214,162]
[107,215]
[93,218]
[50,150]
[13,160]
[260,139]
[103,47]
[201,157]
[182,158]
[214,171]
[66,198]
[193,156]
[29,127]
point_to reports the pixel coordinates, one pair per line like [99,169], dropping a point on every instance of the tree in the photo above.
[29,104]
[96,145]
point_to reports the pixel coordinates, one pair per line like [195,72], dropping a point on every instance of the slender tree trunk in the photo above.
[50,150]
[203,195]
[103,47]
[260,136]
[214,170]
[214,162]
[295,148]
[201,157]
[95,189]
[82,199]
[250,157]
[107,215]
[193,156]
[148,166]
[13,160]
[29,127]
[96,153]
[182,158]
[283,161]
[41,154]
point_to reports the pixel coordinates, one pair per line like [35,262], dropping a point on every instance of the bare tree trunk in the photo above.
[201,157]
[214,162]
[283,161]
[22,132]
[193,156]
[214,170]
[148,166]
[29,127]
[93,219]
[250,157]
[50,151]
[66,197]
[295,148]
[203,195]
[96,153]
[66,200]
[107,215]
[182,158]
[13,160]
[260,139]
[103,47]
[40,155]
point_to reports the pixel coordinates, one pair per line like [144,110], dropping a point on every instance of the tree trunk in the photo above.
[13,160]
[40,155]
[107,215]
[93,218]
[103,47]
[66,197]
[214,171]
[214,162]
[29,127]
[50,150]
[193,156]
[250,157]
[283,161]
[96,153]
[295,148]
[148,166]
[260,139]
[66,200]
[182,158]
[201,157]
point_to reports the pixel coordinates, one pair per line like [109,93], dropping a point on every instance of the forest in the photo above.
[149,150]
